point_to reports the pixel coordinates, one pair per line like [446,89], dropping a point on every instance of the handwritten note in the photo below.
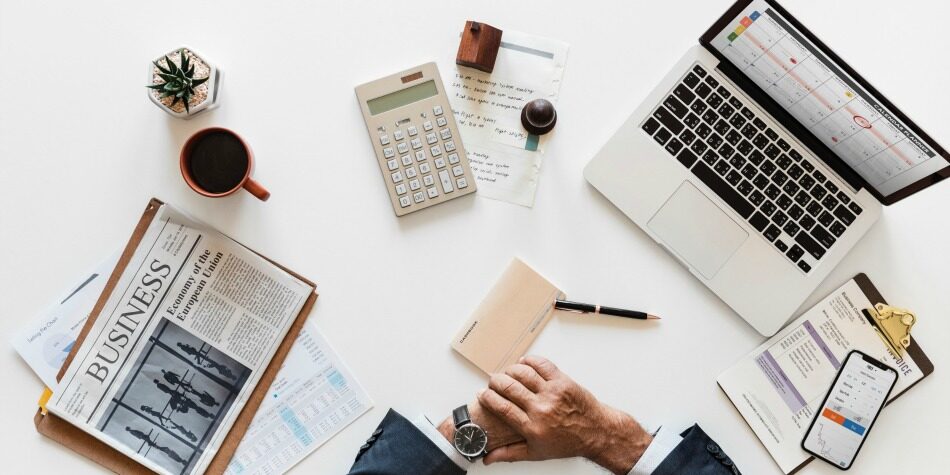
[505,159]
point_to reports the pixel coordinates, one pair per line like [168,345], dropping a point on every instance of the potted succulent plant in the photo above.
[183,83]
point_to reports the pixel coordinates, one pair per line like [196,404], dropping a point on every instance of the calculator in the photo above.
[416,139]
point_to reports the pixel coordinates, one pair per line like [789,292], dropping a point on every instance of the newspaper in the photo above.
[179,345]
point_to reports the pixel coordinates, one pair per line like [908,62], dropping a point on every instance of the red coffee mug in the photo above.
[247,182]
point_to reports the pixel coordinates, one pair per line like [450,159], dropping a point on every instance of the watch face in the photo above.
[471,440]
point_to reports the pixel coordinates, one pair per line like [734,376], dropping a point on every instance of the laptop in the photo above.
[761,159]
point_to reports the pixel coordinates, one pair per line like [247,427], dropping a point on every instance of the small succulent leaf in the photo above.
[183,58]
[198,82]
[191,71]
[171,65]
[167,94]
[161,68]
[167,77]
[156,86]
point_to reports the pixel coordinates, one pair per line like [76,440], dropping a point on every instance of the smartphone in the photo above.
[845,417]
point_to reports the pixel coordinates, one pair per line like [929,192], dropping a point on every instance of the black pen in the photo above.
[588,308]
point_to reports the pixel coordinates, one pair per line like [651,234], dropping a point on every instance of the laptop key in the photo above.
[684,94]
[784,202]
[692,120]
[819,177]
[818,192]
[735,103]
[737,162]
[781,246]
[795,253]
[733,177]
[733,137]
[790,188]
[714,141]
[837,228]
[783,161]
[662,136]
[668,120]
[802,198]
[808,166]
[721,188]
[712,81]
[832,188]
[726,111]
[745,188]
[699,71]
[806,222]
[772,192]
[702,90]
[804,266]
[779,178]
[760,141]
[756,197]
[795,154]
[795,212]
[698,107]
[687,158]
[722,127]
[829,202]
[698,147]
[748,131]
[771,134]
[691,80]
[813,207]
[825,218]
[809,245]
[737,121]
[772,151]
[703,131]
[772,233]
[779,218]
[650,126]
[714,100]
[844,215]
[723,92]
[767,208]
[749,171]
[854,208]
[822,236]
[759,123]
[843,197]
[726,150]
[721,167]
[759,221]
[761,181]
[676,107]
[710,157]
[807,182]
[756,157]
[710,117]
[782,144]
[674,146]
[791,228]
[687,137]
[767,167]
[795,172]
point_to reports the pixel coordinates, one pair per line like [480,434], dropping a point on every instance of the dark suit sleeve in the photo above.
[697,454]
[397,447]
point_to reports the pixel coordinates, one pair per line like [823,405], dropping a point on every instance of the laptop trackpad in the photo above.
[697,230]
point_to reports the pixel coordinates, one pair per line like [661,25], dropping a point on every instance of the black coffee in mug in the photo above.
[218,161]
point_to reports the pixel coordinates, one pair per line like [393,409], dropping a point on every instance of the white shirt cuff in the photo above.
[426,427]
[664,441]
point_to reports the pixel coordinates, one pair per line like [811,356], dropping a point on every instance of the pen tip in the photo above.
[653,317]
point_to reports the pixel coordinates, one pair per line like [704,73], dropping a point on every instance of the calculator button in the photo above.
[428,180]
[397,135]
[416,144]
[453,157]
[402,147]
[414,185]
[424,168]
[435,150]
[427,125]
[440,163]
[411,172]
[384,139]
[461,183]
[433,192]
[446,134]
[431,139]
[406,161]
[419,197]
[397,176]
[392,164]
[446,181]
[412,131]
[457,170]
[388,152]
[437,110]
[404,201]
[441,121]
[449,146]
[420,155]
[401,189]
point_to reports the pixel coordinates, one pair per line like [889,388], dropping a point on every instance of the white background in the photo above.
[82,150]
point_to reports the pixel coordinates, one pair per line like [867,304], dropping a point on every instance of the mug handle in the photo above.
[256,189]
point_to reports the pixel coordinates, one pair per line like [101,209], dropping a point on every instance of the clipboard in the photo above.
[923,362]
[92,448]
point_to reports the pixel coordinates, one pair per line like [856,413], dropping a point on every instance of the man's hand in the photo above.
[558,419]
[499,434]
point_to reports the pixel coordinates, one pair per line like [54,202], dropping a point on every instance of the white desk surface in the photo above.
[82,150]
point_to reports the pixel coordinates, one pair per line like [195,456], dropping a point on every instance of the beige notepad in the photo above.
[508,320]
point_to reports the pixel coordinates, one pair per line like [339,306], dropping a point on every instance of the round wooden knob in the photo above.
[538,116]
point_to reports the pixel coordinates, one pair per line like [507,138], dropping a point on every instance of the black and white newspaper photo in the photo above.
[179,346]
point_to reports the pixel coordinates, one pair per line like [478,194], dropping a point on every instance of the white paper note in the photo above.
[506,161]
[47,339]
[312,399]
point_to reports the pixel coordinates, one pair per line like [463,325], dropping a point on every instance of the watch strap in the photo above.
[460,416]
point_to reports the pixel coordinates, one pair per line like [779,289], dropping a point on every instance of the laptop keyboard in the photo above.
[758,174]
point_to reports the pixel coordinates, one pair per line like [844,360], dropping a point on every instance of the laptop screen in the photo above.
[814,89]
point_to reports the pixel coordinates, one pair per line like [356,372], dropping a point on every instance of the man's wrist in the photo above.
[479,418]
[621,444]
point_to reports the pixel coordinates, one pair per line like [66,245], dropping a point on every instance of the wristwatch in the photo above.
[470,439]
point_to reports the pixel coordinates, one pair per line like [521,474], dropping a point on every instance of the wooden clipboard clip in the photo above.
[893,325]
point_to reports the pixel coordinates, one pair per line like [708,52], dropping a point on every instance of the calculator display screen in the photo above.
[402,97]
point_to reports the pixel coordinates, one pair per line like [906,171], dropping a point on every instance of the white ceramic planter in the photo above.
[213,85]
